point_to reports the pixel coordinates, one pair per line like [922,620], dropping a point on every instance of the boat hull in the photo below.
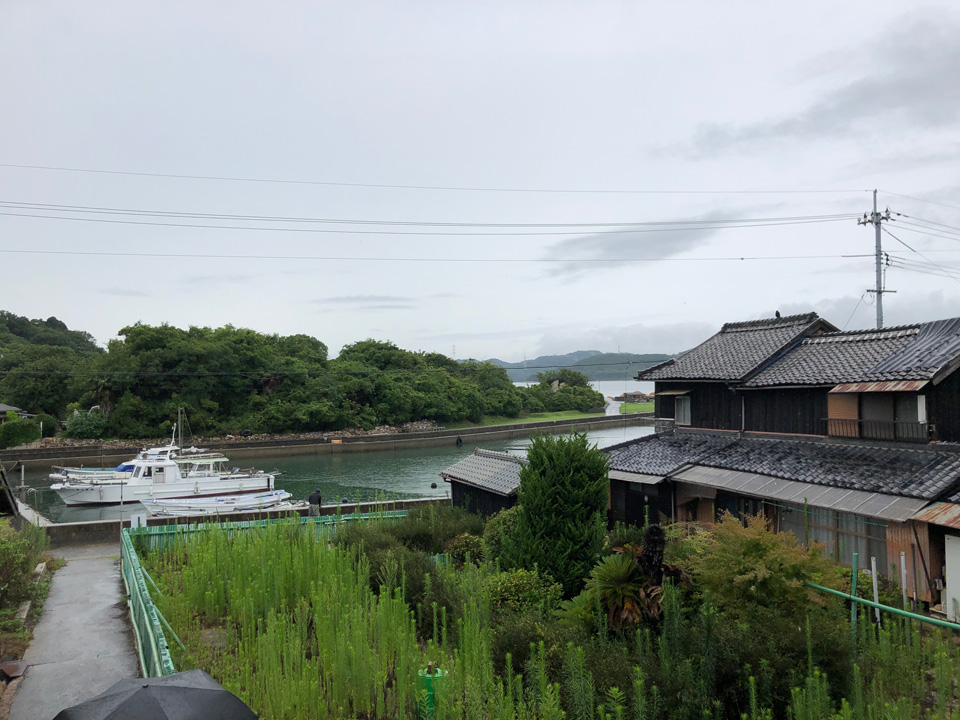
[218,505]
[116,493]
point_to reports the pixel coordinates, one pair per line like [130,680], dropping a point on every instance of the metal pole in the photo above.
[903,577]
[853,605]
[896,611]
[876,224]
[876,593]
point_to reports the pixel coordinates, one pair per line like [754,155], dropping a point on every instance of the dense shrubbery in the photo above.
[230,379]
[563,500]
[16,431]
[317,632]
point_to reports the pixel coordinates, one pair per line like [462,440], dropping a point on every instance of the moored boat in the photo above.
[274,500]
[164,472]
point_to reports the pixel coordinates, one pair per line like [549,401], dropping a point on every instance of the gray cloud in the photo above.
[590,253]
[123,292]
[853,314]
[908,88]
[364,299]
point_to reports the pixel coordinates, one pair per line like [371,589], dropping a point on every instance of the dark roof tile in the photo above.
[737,350]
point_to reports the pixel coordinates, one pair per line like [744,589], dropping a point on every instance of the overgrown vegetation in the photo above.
[232,379]
[563,500]
[20,552]
[304,628]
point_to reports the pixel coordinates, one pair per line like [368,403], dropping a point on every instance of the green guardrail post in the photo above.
[429,678]
[853,605]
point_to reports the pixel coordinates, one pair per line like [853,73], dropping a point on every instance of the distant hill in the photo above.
[17,331]
[617,366]
[592,363]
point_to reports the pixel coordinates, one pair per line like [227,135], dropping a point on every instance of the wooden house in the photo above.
[844,438]
[485,482]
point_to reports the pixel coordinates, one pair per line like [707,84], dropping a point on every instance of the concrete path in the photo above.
[83,643]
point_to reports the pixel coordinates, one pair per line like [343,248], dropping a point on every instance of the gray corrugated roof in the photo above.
[737,350]
[889,507]
[8,408]
[493,471]
[926,473]
[910,352]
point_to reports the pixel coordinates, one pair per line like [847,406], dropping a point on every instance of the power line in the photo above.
[706,226]
[901,262]
[49,207]
[210,256]
[422,187]
[918,199]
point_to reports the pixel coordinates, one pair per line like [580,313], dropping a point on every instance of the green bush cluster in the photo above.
[20,551]
[16,431]
[560,526]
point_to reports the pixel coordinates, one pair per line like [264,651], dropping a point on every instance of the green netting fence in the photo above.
[148,623]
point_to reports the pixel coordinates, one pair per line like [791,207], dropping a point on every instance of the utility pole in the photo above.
[875,218]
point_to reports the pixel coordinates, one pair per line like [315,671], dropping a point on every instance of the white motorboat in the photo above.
[274,500]
[165,473]
[120,472]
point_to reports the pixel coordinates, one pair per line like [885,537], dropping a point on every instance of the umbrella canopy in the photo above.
[188,695]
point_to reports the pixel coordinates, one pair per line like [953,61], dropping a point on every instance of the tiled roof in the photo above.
[493,471]
[834,358]
[662,454]
[919,472]
[737,350]
[909,352]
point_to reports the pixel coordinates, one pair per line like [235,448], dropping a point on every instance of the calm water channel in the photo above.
[363,476]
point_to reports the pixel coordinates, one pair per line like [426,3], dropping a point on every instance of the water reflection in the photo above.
[354,476]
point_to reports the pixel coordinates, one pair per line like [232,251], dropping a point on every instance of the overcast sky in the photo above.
[831,99]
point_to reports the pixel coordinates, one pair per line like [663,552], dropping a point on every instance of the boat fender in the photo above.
[196,489]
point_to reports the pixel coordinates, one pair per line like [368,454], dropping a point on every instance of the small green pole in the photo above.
[853,605]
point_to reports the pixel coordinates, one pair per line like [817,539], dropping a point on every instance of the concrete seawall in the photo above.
[102,457]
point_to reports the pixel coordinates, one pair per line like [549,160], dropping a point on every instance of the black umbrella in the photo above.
[190,695]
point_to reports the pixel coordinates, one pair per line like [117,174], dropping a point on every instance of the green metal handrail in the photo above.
[896,611]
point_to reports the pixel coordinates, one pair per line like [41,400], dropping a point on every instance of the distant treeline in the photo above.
[592,363]
[231,379]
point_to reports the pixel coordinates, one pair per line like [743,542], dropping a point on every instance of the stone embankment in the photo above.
[64,451]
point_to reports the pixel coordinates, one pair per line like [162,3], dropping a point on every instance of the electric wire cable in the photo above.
[456,188]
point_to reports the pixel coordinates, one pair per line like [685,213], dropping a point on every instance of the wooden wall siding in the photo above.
[663,404]
[480,501]
[787,410]
[714,406]
[900,538]
[943,407]
[843,406]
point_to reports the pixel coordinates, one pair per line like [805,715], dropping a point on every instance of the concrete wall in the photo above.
[97,456]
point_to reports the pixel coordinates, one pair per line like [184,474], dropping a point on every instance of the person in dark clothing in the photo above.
[315,502]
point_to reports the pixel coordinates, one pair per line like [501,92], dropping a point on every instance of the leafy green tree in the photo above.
[563,498]
[565,376]
[88,425]
[16,431]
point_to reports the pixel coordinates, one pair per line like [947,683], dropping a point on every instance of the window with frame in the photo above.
[681,410]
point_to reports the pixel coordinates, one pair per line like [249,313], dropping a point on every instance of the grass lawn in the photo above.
[629,407]
[532,417]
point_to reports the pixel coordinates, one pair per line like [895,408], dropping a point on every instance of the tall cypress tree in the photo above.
[563,499]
